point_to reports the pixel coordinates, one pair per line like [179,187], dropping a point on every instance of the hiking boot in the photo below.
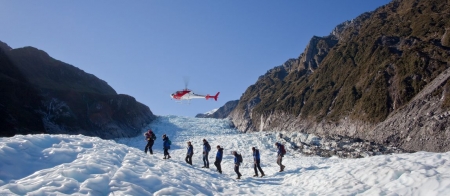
[282,167]
[220,172]
[239,177]
[256,175]
[207,167]
[169,157]
[164,158]
[262,175]
[204,167]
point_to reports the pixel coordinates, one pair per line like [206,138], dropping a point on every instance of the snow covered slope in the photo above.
[73,165]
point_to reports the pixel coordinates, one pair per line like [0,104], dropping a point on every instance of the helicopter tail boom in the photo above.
[214,97]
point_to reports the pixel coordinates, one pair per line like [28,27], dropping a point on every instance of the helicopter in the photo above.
[187,94]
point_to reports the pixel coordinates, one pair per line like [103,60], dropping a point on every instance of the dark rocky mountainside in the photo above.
[222,112]
[381,77]
[18,100]
[42,95]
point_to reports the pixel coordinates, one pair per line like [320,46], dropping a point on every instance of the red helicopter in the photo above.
[187,94]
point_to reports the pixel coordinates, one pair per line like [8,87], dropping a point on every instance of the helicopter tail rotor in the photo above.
[214,97]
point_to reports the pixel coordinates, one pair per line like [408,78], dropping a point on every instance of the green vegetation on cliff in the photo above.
[381,61]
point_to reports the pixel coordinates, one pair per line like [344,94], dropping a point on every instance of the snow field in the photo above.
[80,165]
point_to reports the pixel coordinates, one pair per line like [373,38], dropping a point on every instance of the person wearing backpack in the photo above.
[206,149]
[190,153]
[166,146]
[150,137]
[237,163]
[281,152]
[257,162]
[219,156]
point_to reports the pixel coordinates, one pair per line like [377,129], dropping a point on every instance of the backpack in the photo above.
[208,147]
[283,150]
[153,136]
[170,142]
[239,157]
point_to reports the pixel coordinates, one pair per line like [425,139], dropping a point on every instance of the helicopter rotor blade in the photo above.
[186,82]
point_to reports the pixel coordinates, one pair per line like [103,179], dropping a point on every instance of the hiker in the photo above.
[237,163]
[166,146]
[206,149]
[150,137]
[281,151]
[257,162]
[219,156]
[190,152]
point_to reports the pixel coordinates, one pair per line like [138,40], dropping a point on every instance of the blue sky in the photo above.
[146,49]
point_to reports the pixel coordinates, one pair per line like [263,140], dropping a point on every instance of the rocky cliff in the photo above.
[43,95]
[222,112]
[381,77]
[19,99]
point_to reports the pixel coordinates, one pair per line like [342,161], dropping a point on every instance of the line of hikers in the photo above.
[151,137]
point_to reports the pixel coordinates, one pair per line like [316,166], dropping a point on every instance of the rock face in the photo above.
[316,51]
[44,95]
[382,77]
[422,123]
[343,147]
[19,100]
[222,112]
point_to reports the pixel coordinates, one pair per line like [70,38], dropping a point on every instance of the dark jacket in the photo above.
[236,161]
[256,155]
[166,144]
[279,149]
[219,154]
[149,136]
[190,150]
[206,147]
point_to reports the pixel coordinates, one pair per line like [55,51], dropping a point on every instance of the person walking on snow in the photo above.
[166,146]
[206,149]
[280,154]
[150,137]
[219,156]
[257,162]
[190,153]
[237,163]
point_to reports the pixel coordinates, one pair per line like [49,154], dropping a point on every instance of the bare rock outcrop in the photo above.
[43,95]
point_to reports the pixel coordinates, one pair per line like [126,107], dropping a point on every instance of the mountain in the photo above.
[43,95]
[206,114]
[381,77]
[220,113]
[19,99]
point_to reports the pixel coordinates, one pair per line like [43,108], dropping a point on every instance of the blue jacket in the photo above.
[190,150]
[236,161]
[256,155]
[166,144]
[219,154]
